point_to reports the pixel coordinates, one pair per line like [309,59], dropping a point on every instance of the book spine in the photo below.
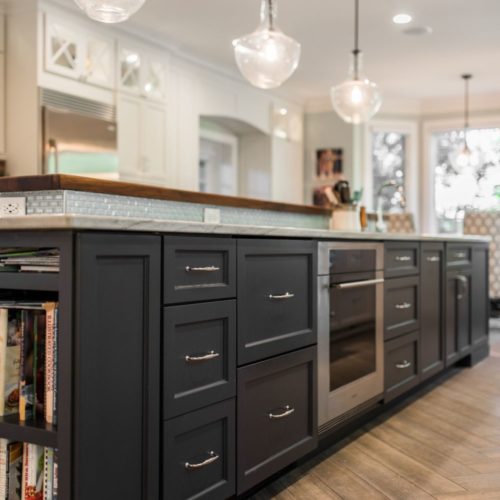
[48,474]
[4,458]
[4,332]
[22,399]
[55,364]
[50,362]
[55,470]
[15,471]
[25,471]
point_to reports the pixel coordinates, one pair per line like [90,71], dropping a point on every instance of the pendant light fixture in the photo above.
[267,57]
[110,11]
[357,99]
[463,157]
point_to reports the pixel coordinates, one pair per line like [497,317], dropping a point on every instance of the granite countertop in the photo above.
[153,225]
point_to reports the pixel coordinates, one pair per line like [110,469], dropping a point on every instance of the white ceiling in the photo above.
[465,38]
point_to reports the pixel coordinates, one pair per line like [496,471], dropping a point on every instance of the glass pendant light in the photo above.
[267,57]
[463,157]
[110,11]
[357,99]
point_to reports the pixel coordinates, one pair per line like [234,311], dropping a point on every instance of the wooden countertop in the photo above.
[87,184]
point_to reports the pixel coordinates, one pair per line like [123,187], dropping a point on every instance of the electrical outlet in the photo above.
[12,207]
[211,216]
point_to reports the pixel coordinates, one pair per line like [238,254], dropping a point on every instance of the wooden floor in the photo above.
[444,445]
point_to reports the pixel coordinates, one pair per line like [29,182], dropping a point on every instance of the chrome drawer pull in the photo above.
[213,457]
[288,411]
[404,305]
[208,269]
[433,259]
[403,364]
[460,255]
[358,284]
[205,357]
[402,258]
[286,295]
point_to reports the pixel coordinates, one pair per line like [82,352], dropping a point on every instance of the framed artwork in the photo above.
[329,164]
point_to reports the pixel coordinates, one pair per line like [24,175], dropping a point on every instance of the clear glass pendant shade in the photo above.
[267,57]
[110,11]
[463,158]
[357,99]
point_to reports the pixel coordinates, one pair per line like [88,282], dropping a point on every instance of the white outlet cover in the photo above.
[211,215]
[12,207]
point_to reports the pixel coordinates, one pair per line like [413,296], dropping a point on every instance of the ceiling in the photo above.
[465,38]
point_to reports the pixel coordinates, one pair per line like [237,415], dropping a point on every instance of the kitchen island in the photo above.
[188,358]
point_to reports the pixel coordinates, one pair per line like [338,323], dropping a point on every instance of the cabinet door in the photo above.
[129,122]
[480,299]
[431,309]
[153,79]
[153,139]
[99,61]
[64,49]
[458,302]
[129,71]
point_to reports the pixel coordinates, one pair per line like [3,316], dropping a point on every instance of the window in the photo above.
[475,186]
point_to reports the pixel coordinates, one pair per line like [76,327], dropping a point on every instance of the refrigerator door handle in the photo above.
[53,149]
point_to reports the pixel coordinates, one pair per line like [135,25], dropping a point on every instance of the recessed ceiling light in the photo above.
[402,19]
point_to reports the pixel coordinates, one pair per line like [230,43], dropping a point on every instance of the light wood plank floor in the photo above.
[444,445]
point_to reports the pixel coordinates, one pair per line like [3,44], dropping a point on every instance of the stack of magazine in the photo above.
[28,387]
[29,260]
[27,471]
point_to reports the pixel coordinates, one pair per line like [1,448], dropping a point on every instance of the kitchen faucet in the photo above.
[380,226]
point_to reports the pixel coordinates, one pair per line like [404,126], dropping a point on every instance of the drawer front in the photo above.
[199,454]
[199,355]
[458,255]
[277,415]
[401,306]
[199,268]
[276,297]
[401,365]
[401,259]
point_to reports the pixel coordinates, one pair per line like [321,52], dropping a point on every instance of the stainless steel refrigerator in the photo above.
[79,136]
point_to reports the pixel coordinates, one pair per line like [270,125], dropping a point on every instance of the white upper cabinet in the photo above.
[78,54]
[141,74]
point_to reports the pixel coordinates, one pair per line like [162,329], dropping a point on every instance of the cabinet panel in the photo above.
[401,259]
[199,356]
[458,255]
[199,454]
[129,120]
[99,65]
[276,297]
[117,367]
[401,306]
[277,416]
[479,299]
[432,309]
[153,139]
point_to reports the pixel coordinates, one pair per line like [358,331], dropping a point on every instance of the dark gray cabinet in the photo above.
[432,344]
[458,255]
[199,355]
[402,306]
[479,299]
[401,365]
[277,417]
[401,259]
[276,297]
[199,454]
[198,268]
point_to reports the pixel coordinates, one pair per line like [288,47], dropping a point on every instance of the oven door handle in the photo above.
[358,284]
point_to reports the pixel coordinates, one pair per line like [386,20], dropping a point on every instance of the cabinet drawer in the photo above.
[199,355]
[276,297]
[401,306]
[277,415]
[199,268]
[401,365]
[458,255]
[401,259]
[199,454]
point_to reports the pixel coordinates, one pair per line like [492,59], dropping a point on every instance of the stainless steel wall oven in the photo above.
[350,329]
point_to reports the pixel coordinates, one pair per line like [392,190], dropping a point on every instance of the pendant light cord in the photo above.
[466,78]
[356,50]
[271,14]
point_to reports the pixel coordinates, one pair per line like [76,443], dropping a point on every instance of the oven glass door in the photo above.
[352,333]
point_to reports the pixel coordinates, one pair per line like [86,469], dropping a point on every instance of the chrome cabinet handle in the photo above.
[212,457]
[403,364]
[465,283]
[286,295]
[402,258]
[208,269]
[433,259]
[205,357]
[460,255]
[288,411]
[357,284]
[404,305]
